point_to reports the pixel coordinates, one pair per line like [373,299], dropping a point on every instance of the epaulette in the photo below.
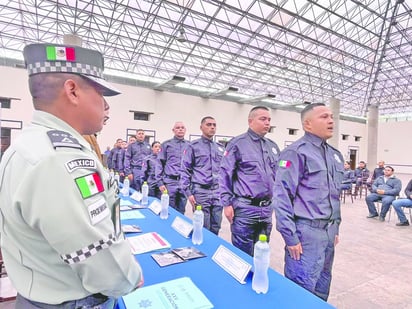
[63,139]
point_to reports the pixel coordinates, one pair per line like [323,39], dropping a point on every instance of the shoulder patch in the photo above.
[63,139]
[89,185]
[80,163]
[285,163]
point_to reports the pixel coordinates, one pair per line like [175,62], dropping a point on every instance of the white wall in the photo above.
[169,107]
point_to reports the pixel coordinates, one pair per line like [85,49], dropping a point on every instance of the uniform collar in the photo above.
[205,139]
[178,139]
[254,135]
[314,139]
[54,123]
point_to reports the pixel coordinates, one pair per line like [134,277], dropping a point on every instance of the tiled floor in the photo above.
[373,262]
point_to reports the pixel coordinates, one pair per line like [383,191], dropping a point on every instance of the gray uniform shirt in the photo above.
[57,235]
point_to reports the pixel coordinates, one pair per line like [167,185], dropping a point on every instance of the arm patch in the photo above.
[63,139]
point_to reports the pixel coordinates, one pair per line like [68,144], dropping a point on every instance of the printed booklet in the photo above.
[178,255]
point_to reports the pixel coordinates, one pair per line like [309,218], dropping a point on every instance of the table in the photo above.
[223,291]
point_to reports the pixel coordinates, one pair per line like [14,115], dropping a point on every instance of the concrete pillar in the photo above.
[72,39]
[373,120]
[334,105]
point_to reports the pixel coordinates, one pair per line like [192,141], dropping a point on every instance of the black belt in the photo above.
[207,187]
[93,300]
[316,223]
[173,177]
[261,202]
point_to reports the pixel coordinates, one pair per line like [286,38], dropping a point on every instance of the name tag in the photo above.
[182,227]
[98,211]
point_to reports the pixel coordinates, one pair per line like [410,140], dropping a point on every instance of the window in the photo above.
[292,131]
[5,102]
[144,116]
[345,137]
[357,138]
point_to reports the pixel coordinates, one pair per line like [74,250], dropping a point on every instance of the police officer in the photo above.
[306,201]
[59,243]
[133,160]
[111,159]
[246,181]
[199,175]
[149,168]
[168,173]
[118,157]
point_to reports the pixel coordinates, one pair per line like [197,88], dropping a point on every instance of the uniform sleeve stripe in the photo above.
[90,250]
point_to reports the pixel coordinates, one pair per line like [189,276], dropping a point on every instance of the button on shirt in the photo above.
[247,168]
[307,185]
[170,157]
[201,163]
[135,154]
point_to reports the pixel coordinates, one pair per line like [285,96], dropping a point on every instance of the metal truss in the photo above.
[359,52]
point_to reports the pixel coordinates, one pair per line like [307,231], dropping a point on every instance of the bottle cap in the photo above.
[198,207]
[145,183]
[263,238]
[165,191]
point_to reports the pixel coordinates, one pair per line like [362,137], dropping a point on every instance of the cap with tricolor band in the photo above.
[90,185]
[284,163]
[49,58]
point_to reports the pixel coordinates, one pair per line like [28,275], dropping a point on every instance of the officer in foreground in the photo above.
[60,246]
[306,201]
[247,179]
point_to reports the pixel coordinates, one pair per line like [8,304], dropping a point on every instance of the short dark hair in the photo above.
[388,166]
[155,142]
[256,108]
[206,118]
[308,108]
[362,162]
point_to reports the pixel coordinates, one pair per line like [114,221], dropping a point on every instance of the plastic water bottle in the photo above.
[145,193]
[261,259]
[198,219]
[164,201]
[126,186]
[117,177]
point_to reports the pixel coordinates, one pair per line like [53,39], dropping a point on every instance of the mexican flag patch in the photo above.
[89,185]
[284,163]
[54,53]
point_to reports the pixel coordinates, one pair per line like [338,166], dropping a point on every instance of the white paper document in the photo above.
[180,293]
[131,214]
[147,242]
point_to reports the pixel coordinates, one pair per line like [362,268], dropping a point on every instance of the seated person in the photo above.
[348,177]
[403,202]
[379,171]
[361,175]
[385,189]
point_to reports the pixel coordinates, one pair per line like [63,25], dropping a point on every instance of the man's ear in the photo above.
[71,89]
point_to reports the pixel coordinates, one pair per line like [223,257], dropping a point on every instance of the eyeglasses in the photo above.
[210,124]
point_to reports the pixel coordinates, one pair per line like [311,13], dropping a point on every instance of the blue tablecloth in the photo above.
[220,288]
